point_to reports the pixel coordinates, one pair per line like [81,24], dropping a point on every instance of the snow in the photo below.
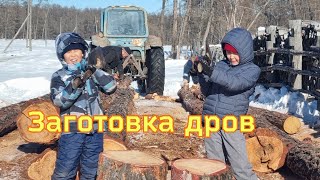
[26,74]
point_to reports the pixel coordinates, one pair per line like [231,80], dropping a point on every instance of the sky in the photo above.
[151,6]
[26,74]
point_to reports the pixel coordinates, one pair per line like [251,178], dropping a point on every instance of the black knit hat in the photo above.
[128,50]
[74,46]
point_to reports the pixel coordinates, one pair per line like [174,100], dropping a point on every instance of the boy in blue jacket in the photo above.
[227,88]
[74,89]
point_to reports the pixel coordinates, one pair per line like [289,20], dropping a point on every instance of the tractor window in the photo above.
[121,22]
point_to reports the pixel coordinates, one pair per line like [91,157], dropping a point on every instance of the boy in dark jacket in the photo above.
[75,90]
[227,88]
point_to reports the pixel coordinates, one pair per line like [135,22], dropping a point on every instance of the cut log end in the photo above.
[266,151]
[43,168]
[113,145]
[292,125]
[131,165]
[199,169]
[24,121]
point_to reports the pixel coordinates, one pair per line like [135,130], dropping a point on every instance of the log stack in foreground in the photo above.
[127,165]
[42,168]
[185,169]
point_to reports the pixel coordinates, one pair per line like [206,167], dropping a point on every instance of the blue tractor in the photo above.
[127,26]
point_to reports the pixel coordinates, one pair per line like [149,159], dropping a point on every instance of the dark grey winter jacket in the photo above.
[228,89]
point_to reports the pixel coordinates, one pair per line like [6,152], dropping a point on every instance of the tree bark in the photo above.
[175,29]
[162,19]
[127,165]
[184,169]
[303,160]
[9,114]
[183,27]
[119,103]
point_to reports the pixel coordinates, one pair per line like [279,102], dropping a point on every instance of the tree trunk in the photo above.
[267,152]
[119,103]
[303,160]
[204,40]
[190,102]
[183,27]
[9,114]
[184,169]
[162,20]
[24,121]
[127,165]
[175,29]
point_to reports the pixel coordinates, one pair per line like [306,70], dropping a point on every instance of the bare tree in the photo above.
[175,29]
[183,27]
[162,19]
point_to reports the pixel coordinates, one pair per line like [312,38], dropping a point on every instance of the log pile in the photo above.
[303,159]
[184,169]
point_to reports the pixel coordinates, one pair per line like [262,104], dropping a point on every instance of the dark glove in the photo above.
[80,79]
[78,82]
[96,57]
[206,68]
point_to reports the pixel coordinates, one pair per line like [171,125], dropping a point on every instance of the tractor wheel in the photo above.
[156,71]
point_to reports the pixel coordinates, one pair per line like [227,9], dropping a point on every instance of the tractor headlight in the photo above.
[136,42]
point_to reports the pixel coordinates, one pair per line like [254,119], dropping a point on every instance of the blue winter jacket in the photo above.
[228,89]
[80,101]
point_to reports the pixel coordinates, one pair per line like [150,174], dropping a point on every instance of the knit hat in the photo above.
[128,50]
[74,40]
[228,47]
[72,47]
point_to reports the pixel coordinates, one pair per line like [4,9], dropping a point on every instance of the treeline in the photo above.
[183,22]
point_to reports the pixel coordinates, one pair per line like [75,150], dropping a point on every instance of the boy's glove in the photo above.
[203,67]
[80,80]
[96,58]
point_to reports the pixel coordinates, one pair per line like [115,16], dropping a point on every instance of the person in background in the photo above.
[112,58]
[75,90]
[227,87]
[190,69]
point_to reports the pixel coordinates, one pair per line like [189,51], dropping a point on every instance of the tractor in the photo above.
[127,26]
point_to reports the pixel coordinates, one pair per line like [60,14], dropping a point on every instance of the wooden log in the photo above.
[24,121]
[113,145]
[9,114]
[291,125]
[184,169]
[119,103]
[304,160]
[43,167]
[266,151]
[190,102]
[127,165]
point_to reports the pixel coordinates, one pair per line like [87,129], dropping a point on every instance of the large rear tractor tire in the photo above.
[156,71]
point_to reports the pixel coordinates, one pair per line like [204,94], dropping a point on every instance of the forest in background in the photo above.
[181,22]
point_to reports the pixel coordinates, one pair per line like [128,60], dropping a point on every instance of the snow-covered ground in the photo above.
[26,74]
